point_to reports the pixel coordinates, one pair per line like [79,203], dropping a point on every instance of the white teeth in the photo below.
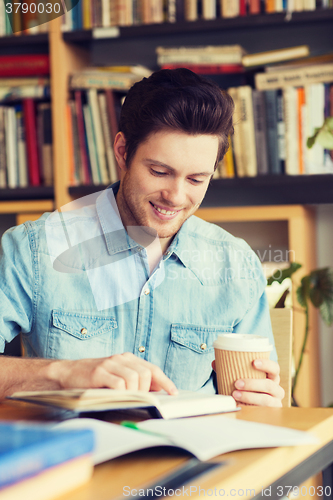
[164,212]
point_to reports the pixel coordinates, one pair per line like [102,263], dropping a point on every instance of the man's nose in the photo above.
[175,193]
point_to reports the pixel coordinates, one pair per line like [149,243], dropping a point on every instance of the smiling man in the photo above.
[127,313]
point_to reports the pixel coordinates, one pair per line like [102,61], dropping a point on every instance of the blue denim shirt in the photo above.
[104,301]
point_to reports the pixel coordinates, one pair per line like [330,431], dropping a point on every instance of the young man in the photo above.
[128,290]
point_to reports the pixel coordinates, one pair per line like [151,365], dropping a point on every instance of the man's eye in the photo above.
[196,181]
[157,172]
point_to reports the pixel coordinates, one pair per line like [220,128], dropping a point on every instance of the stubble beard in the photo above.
[138,215]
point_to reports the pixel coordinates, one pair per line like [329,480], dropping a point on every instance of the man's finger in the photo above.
[265,386]
[271,368]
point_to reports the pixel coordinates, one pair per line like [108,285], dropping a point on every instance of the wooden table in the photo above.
[247,474]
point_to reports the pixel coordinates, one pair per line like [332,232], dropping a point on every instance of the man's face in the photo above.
[166,181]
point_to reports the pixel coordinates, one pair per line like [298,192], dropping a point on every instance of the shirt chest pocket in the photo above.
[75,335]
[190,354]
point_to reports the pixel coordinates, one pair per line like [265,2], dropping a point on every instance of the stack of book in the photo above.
[25,122]
[92,121]
[206,60]
[39,463]
[89,14]
[274,121]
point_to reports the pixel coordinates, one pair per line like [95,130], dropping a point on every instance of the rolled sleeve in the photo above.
[16,284]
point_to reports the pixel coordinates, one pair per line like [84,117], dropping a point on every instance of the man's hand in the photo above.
[121,371]
[260,392]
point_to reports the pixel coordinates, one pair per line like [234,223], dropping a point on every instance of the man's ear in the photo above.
[119,150]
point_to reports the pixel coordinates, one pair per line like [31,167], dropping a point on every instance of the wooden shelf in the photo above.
[247,22]
[23,40]
[29,193]
[254,191]
[26,206]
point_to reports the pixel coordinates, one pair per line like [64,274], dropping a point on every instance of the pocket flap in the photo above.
[83,325]
[198,338]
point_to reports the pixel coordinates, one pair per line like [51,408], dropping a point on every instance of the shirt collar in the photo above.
[116,237]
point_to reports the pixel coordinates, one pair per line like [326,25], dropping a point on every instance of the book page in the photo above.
[207,437]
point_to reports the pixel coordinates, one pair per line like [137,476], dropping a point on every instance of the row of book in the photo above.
[92,124]
[89,14]
[26,18]
[26,144]
[271,129]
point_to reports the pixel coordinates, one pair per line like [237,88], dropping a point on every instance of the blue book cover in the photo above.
[272,131]
[27,449]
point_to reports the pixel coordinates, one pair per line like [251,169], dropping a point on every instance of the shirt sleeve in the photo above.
[16,284]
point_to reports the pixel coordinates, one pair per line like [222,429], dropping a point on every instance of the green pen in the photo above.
[134,426]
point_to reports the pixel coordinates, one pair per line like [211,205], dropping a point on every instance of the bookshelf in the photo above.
[271,198]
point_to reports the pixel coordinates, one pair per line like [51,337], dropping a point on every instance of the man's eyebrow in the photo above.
[171,169]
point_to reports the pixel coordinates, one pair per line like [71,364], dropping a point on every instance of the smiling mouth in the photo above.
[164,212]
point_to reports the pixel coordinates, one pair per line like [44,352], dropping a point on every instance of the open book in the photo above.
[184,404]
[203,437]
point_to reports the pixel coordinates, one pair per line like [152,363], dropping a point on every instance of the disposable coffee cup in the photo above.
[234,356]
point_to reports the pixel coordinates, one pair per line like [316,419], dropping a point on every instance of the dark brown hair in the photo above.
[177,100]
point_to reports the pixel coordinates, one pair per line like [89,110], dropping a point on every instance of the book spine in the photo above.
[31,141]
[81,81]
[243,7]
[73,179]
[209,9]
[301,123]
[259,118]
[281,130]
[300,77]
[272,134]
[11,148]
[98,134]
[230,8]
[24,65]
[331,109]
[26,92]
[3,160]
[237,137]
[23,462]
[85,174]
[208,69]
[290,98]
[47,162]
[78,171]
[191,10]
[247,131]
[254,7]
[229,161]
[91,145]
[107,138]
[21,149]
[30,17]
[111,106]
[200,58]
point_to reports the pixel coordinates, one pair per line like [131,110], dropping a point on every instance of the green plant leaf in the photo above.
[329,122]
[310,142]
[302,291]
[279,275]
[325,138]
[326,312]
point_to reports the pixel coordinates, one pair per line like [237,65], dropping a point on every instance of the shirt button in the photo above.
[142,348]
[84,331]
[203,346]
[147,291]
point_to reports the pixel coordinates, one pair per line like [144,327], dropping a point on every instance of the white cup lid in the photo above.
[242,342]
